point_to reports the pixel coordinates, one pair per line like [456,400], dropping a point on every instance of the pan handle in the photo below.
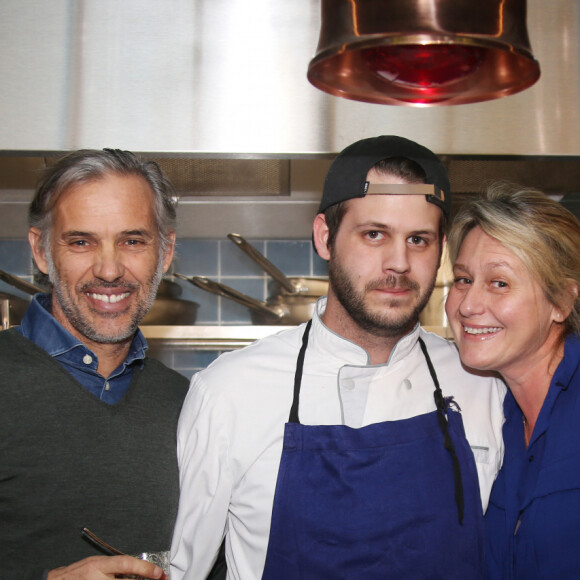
[227,292]
[19,283]
[263,262]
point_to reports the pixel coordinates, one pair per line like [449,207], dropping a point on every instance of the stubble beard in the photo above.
[392,321]
[82,324]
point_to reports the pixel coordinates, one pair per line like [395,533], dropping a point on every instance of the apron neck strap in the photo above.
[298,375]
[441,405]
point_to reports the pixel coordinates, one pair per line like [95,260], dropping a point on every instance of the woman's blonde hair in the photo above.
[538,230]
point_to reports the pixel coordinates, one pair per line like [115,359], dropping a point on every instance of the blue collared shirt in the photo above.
[533,517]
[40,326]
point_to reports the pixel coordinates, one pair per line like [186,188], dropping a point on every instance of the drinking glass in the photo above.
[160,559]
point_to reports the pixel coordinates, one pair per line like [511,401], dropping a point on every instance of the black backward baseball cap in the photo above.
[347,176]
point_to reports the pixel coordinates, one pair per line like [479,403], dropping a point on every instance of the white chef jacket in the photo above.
[231,429]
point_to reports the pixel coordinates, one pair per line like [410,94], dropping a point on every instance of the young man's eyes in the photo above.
[418,241]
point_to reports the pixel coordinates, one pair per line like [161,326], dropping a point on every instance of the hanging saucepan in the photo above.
[303,286]
[167,308]
[288,309]
[12,309]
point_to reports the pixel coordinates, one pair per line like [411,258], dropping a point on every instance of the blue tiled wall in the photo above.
[185,360]
[220,260]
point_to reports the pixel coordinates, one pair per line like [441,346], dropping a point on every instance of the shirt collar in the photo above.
[349,352]
[42,328]
[561,380]
[569,364]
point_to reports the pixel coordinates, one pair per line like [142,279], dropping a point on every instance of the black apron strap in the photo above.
[298,375]
[447,441]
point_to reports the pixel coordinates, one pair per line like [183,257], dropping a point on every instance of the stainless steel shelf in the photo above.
[226,337]
[209,337]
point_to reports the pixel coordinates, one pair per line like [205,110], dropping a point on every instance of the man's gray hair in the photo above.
[87,165]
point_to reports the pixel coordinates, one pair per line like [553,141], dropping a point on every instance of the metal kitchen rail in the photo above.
[209,337]
[226,337]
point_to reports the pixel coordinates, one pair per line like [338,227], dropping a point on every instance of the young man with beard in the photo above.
[87,421]
[337,449]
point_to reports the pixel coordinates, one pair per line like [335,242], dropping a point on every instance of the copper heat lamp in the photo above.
[423,52]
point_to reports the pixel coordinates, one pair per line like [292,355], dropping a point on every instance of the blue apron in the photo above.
[398,499]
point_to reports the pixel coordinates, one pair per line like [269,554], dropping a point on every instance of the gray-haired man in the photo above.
[87,420]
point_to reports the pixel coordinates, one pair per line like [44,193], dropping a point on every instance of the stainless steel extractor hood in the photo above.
[276,197]
[229,78]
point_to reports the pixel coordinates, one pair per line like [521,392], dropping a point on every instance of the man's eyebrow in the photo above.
[137,232]
[76,234]
[83,234]
[425,232]
[377,225]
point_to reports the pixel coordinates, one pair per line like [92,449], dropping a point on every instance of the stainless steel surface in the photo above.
[226,337]
[229,78]
[423,53]
[289,216]
[12,310]
[433,315]
[166,310]
[169,308]
[209,337]
[286,215]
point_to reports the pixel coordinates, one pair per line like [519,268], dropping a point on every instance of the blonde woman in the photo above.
[514,309]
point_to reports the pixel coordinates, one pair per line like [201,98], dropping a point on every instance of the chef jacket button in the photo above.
[348,384]
[87,359]
[407,384]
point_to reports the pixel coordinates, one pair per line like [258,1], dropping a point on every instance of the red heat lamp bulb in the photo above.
[428,70]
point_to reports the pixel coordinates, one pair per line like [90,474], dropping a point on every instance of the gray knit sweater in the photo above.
[68,460]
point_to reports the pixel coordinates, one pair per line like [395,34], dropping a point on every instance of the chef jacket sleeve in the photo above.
[205,482]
